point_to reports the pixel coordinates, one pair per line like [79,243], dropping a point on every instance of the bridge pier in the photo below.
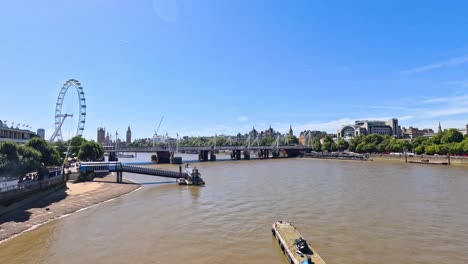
[246,155]
[263,154]
[276,154]
[291,153]
[266,153]
[236,155]
[163,157]
[203,155]
[212,156]
[176,160]
[119,176]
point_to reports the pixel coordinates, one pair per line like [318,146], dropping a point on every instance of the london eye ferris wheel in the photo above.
[60,116]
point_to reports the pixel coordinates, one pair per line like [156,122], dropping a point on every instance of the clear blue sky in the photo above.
[224,66]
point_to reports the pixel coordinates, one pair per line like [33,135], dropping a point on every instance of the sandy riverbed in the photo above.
[83,187]
[62,202]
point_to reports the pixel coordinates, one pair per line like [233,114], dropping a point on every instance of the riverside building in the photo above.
[367,127]
[15,134]
[101,135]
[414,132]
[464,131]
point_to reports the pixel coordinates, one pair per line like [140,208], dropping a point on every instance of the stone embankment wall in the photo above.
[454,160]
[26,192]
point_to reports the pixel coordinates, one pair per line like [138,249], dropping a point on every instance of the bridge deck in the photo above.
[119,167]
[153,172]
[210,148]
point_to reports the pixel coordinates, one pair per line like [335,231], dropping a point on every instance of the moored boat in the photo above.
[428,162]
[296,248]
[183,181]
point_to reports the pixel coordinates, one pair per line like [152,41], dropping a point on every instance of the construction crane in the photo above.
[157,130]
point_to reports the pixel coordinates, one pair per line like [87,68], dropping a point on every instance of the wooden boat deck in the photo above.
[427,162]
[286,234]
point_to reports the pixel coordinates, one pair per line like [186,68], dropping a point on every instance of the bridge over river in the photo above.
[204,148]
[167,154]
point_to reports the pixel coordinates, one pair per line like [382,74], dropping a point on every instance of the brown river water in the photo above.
[351,212]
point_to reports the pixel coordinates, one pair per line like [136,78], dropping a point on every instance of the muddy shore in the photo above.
[65,201]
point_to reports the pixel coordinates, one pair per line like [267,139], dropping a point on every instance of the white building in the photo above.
[15,134]
[464,131]
[367,127]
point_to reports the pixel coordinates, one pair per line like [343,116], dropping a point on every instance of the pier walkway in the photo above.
[154,172]
[119,169]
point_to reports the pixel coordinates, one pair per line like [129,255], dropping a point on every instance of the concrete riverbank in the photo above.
[60,203]
[426,159]
[454,160]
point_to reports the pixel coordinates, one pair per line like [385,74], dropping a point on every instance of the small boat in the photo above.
[426,161]
[193,176]
[182,181]
[296,249]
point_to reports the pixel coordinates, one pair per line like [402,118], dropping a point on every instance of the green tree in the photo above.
[16,160]
[10,151]
[49,155]
[316,145]
[61,148]
[464,144]
[267,141]
[432,149]
[29,159]
[239,143]
[354,143]
[421,141]
[451,135]
[91,151]
[293,140]
[399,145]
[444,149]
[456,148]
[221,141]
[328,144]
[373,138]
[9,159]
[360,147]
[419,149]
[342,144]
[75,144]
[437,138]
[384,145]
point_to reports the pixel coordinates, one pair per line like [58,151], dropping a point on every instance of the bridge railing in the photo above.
[153,172]
[88,167]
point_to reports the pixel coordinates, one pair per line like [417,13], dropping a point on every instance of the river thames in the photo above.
[350,211]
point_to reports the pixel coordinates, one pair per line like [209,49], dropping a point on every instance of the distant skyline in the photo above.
[221,67]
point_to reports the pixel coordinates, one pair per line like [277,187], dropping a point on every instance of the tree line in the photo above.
[17,159]
[450,141]
[328,144]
